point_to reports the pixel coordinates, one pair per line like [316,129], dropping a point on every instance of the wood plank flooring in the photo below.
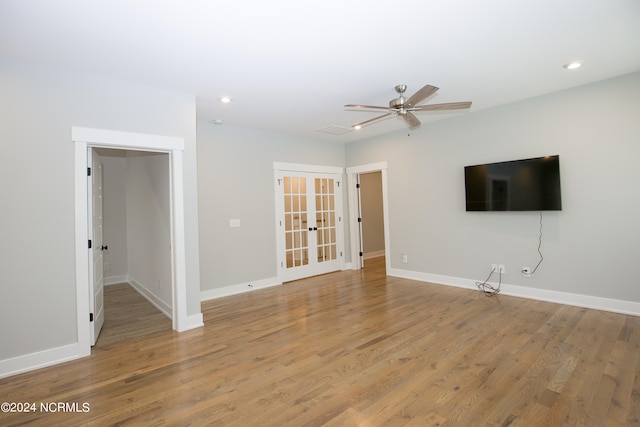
[356,348]
[128,315]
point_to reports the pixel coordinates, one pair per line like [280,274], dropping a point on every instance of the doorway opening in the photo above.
[372,217]
[377,200]
[135,248]
[85,139]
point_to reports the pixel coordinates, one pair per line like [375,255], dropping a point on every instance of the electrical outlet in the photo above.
[405,258]
[501,269]
[494,267]
[526,271]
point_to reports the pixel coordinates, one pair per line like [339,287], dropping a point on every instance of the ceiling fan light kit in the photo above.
[404,108]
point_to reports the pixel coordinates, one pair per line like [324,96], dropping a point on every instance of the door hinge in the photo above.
[359,219]
[88,171]
[89,244]
[90,317]
[361,253]
[338,182]
[357,185]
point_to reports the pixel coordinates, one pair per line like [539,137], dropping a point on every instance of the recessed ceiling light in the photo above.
[572,65]
[357,127]
[225,99]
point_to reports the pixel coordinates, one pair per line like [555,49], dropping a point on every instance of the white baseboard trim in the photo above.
[151,297]
[578,300]
[193,322]
[116,280]
[54,356]
[375,254]
[226,291]
[37,360]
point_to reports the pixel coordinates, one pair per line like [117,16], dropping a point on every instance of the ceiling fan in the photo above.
[404,108]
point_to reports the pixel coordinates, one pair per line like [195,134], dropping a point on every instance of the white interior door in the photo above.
[309,224]
[327,255]
[359,213]
[294,226]
[96,271]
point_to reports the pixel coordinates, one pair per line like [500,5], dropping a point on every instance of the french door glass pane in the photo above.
[325,219]
[295,221]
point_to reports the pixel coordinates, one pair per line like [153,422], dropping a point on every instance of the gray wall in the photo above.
[38,107]
[149,223]
[591,247]
[115,214]
[236,181]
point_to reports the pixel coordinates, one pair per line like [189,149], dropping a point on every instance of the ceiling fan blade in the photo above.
[446,106]
[421,95]
[410,119]
[371,120]
[375,107]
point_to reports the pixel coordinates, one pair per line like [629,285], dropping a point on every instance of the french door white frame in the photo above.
[86,138]
[278,168]
[354,227]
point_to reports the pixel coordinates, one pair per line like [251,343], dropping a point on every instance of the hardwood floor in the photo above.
[128,315]
[356,348]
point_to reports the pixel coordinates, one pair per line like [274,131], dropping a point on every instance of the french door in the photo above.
[309,224]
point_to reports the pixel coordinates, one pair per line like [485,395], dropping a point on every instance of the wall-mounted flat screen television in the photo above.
[518,185]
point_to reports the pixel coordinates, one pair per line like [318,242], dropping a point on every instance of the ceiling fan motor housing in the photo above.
[398,102]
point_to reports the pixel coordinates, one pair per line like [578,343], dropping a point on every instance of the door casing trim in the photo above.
[85,138]
[352,180]
[279,167]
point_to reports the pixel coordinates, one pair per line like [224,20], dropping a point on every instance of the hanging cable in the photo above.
[539,246]
[488,289]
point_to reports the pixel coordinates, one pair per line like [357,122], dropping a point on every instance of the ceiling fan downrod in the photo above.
[399,102]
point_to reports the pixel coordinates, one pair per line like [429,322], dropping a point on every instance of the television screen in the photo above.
[519,185]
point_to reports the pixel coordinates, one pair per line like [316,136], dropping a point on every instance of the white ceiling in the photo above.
[291,65]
